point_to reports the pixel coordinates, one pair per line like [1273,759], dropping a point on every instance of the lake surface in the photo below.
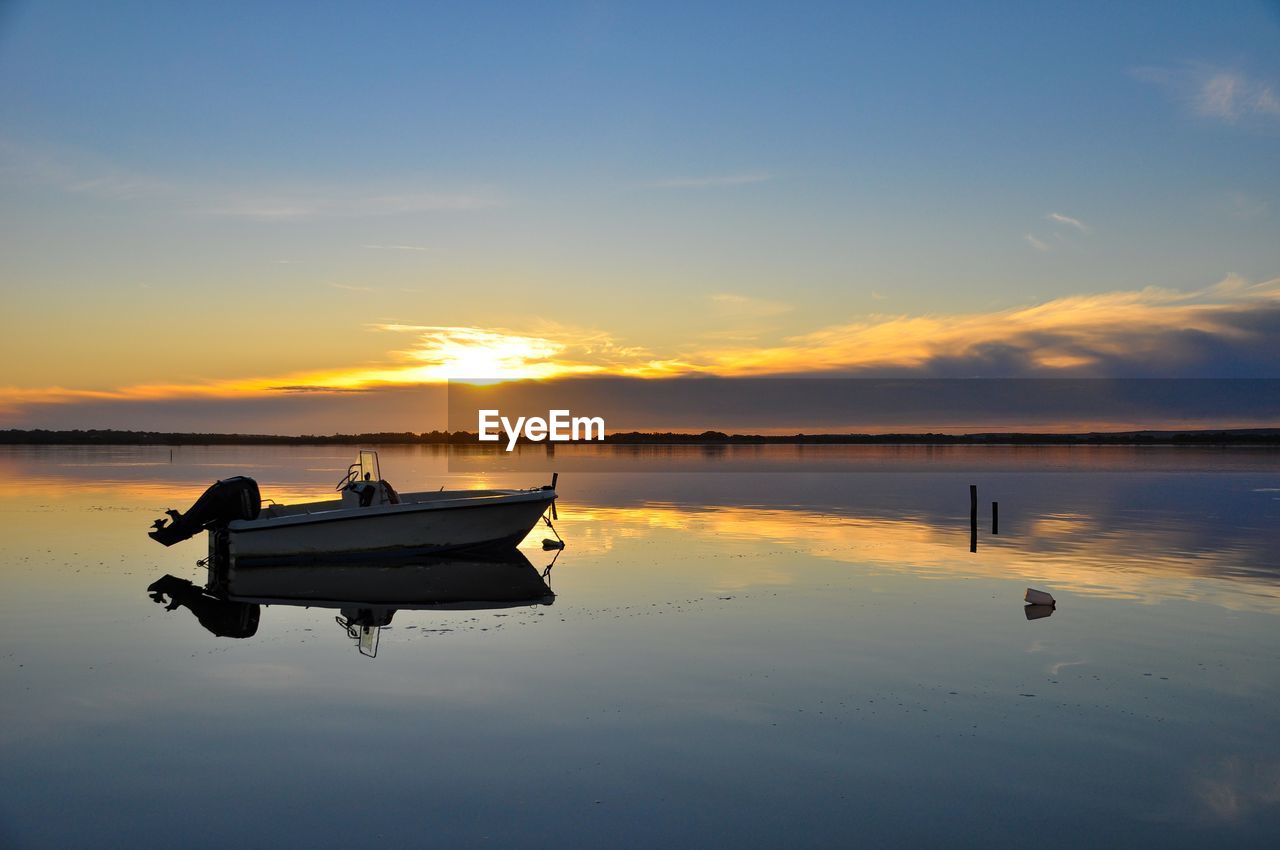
[763,647]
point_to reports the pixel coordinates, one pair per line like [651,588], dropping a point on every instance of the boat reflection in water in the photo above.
[366,596]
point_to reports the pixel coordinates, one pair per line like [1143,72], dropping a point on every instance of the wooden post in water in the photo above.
[973,517]
[995,517]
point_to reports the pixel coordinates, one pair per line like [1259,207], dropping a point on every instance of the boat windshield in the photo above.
[369,466]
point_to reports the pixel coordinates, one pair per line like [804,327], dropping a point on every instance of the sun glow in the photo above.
[473,354]
[1065,337]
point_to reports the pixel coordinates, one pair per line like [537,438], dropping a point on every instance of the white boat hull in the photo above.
[459,581]
[439,524]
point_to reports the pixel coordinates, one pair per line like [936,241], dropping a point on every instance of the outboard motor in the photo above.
[220,617]
[228,499]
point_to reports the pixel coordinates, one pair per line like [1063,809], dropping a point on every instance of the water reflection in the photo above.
[822,651]
[219,616]
[1038,612]
[1111,521]
[1138,557]
[366,596]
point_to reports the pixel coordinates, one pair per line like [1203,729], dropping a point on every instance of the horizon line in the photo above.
[113,436]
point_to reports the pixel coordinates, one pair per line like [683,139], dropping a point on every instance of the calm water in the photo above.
[802,657]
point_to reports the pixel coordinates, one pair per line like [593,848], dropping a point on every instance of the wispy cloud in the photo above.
[396,247]
[712,181]
[350,288]
[729,304]
[1210,91]
[302,205]
[86,174]
[1229,329]
[1057,218]
[1231,96]
[1244,207]
[434,355]
[547,350]
[1069,221]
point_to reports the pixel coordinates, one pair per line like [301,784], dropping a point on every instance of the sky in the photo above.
[268,217]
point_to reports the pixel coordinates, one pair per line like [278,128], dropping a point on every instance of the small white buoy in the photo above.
[1038,597]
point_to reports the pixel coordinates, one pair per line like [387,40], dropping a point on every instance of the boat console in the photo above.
[363,486]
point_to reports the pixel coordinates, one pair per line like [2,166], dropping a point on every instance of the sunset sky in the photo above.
[264,217]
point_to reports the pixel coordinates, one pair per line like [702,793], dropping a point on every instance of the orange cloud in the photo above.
[1073,336]
[1071,333]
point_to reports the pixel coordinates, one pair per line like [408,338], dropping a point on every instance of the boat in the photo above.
[368,520]
[365,595]
[479,580]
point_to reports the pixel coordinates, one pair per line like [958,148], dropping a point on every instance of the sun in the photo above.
[470,354]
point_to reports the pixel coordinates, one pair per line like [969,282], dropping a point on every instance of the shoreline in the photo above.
[1264,437]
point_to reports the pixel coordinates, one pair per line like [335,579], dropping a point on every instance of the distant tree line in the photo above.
[111,437]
